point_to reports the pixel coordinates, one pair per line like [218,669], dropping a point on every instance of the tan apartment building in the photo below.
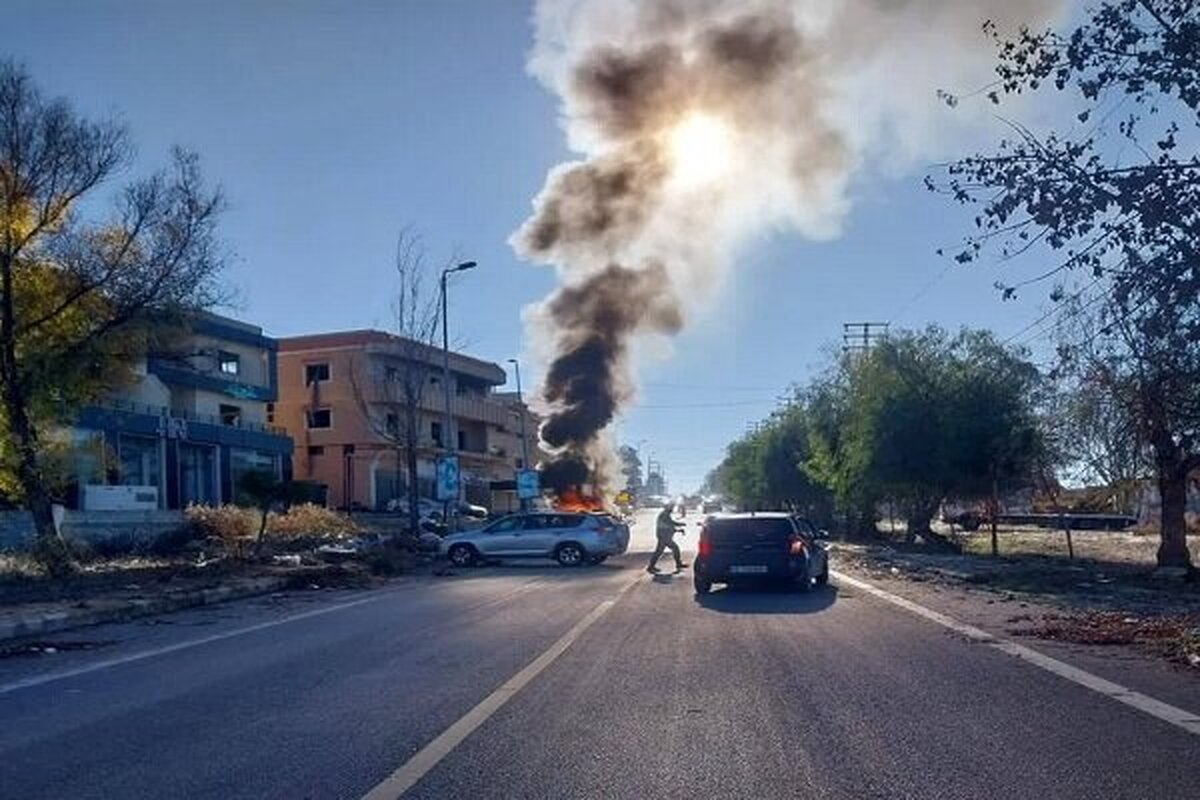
[341,398]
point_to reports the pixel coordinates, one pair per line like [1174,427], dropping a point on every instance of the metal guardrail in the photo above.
[133,407]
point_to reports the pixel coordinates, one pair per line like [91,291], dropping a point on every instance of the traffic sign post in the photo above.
[528,485]
[447,478]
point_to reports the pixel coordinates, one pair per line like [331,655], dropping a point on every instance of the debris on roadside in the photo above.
[1175,637]
[48,648]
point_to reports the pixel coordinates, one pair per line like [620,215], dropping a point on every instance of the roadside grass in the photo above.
[1111,569]
[1121,547]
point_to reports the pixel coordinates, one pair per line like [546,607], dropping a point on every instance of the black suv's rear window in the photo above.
[725,530]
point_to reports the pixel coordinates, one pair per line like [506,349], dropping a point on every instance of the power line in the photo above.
[708,386]
[910,302]
[1058,309]
[730,404]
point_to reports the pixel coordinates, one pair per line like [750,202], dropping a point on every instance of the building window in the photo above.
[391,374]
[435,431]
[391,424]
[230,415]
[316,450]
[320,418]
[270,413]
[139,463]
[243,462]
[229,363]
[315,373]
[462,440]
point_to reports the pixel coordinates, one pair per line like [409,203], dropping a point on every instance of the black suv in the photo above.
[773,547]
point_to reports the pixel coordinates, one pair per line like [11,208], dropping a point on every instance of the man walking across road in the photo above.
[665,528]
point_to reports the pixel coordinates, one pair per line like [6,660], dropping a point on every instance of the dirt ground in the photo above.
[1107,596]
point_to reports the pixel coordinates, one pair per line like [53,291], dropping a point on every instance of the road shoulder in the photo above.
[1021,617]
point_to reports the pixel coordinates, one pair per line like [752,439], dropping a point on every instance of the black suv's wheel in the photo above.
[803,583]
[703,585]
[823,578]
[569,554]
[462,555]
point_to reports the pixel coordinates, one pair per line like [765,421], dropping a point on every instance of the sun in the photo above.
[700,149]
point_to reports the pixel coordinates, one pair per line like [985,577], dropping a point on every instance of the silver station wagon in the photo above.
[571,539]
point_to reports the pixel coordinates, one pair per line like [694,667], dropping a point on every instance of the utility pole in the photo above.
[524,437]
[858,337]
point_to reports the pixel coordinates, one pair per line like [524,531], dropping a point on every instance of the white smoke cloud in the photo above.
[702,123]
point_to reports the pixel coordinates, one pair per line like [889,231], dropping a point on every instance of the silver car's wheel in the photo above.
[461,555]
[569,554]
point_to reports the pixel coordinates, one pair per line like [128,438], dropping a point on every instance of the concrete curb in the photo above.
[54,622]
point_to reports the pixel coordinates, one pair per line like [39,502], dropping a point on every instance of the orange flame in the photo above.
[574,499]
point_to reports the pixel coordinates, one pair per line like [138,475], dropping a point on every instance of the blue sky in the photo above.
[332,125]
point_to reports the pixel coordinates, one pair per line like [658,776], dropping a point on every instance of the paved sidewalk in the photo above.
[34,619]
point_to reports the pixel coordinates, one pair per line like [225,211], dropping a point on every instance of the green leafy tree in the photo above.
[929,416]
[79,296]
[837,457]
[631,468]
[765,469]
[921,417]
[1113,201]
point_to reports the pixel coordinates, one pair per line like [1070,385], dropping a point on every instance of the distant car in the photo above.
[431,510]
[710,506]
[772,547]
[472,510]
[571,539]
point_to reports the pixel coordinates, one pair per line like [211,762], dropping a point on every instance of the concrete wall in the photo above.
[208,403]
[16,527]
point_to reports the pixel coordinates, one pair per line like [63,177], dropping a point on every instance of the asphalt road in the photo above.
[834,694]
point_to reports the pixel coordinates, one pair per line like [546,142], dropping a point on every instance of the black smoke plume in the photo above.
[595,320]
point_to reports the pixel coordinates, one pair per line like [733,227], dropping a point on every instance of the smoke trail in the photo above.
[704,122]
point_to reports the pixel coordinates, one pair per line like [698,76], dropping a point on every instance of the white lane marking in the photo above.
[50,677]
[425,759]
[1173,715]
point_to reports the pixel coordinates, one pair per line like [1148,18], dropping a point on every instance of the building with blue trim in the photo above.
[193,421]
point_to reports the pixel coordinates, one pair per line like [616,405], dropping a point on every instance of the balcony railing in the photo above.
[132,407]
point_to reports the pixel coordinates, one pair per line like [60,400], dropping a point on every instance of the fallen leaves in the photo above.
[1173,636]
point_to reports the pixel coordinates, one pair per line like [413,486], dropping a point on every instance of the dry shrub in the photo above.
[309,519]
[230,524]
[301,527]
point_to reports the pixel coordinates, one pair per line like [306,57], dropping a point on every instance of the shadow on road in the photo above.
[536,566]
[767,600]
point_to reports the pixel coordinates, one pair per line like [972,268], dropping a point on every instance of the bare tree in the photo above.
[80,298]
[392,390]
[1112,197]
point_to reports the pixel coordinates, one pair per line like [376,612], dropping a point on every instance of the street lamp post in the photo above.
[524,437]
[447,447]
